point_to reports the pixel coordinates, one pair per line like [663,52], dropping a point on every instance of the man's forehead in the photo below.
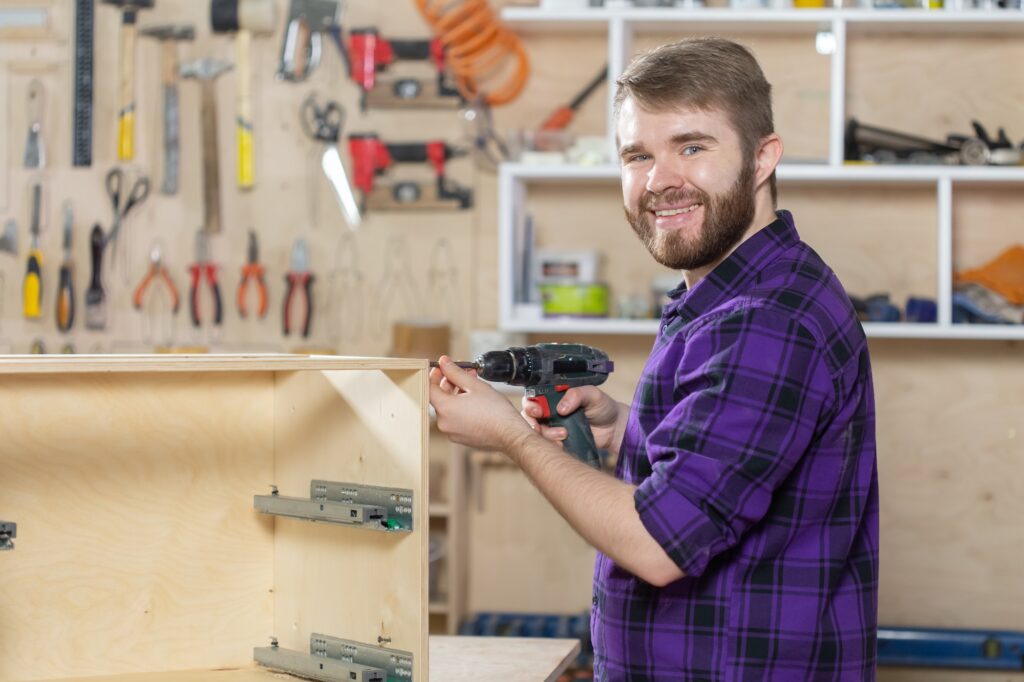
[638,123]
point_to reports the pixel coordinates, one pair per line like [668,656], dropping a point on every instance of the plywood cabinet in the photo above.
[138,549]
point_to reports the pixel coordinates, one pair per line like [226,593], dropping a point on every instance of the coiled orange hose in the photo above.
[478,48]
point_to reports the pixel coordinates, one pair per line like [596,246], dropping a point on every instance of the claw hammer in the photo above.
[168,35]
[206,71]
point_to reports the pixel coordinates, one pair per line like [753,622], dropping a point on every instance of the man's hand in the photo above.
[606,416]
[470,412]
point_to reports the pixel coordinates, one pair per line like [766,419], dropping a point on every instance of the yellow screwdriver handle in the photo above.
[33,288]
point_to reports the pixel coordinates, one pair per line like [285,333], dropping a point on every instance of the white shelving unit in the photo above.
[621,24]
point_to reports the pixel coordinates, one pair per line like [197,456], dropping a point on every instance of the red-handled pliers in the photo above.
[299,277]
[203,266]
[253,271]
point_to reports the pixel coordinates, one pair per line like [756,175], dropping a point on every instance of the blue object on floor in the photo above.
[499,624]
[942,648]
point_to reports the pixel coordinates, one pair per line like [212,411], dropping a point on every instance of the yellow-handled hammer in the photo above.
[243,18]
[126,110]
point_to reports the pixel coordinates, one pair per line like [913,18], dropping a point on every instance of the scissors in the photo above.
[115,184]
[323,123]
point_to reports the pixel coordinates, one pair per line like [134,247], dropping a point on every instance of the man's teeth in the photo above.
[676,211]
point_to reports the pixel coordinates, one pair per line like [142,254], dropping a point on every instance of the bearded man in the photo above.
[738,538]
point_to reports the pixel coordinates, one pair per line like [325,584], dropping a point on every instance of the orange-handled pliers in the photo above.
[252,271]
[157,271]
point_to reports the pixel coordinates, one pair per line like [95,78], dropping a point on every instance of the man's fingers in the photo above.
[556,433]
[570,402]
[456,374]
[437,394]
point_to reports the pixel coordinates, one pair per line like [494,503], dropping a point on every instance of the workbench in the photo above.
[452,659]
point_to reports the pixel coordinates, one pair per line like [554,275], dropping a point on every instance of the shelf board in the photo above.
[439,509]
[880,330]
[765,20]
[583,326]
[438,608]
[909,330]
[801,172]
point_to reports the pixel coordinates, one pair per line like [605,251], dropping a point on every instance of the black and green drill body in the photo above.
[547,371]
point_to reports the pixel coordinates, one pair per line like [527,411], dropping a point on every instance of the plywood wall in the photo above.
[946,410]
[364,280]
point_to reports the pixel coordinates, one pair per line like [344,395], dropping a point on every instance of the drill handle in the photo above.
[580,441]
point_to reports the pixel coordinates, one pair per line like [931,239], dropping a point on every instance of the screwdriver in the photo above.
[563,115]
[32,289]
[66,289]
[95,305]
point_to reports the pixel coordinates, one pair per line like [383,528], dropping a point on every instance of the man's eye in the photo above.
[637,157]
[692,149]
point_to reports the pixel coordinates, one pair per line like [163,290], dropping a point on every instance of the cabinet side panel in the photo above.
[137,546]
[354,426]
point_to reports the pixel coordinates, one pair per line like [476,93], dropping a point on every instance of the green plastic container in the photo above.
[574,300]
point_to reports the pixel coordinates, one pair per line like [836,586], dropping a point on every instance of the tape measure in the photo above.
[81,134]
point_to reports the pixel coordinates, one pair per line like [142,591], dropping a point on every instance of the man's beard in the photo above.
[726,217]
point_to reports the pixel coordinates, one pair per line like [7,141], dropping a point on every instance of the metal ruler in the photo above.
[81,133]
[27,17]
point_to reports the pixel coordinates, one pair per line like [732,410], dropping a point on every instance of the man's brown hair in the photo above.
[705,74]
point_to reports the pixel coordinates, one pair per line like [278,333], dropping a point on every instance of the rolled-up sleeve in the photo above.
[748,393]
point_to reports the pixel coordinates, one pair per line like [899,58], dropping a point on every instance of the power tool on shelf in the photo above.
[371,54]
[372,157]
[547,371]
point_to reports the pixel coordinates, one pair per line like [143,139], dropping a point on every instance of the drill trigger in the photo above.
[562,388]
[542,400]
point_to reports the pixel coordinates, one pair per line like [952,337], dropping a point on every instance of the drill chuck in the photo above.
[568,364]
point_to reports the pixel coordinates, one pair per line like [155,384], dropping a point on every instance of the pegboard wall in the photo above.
[410,265]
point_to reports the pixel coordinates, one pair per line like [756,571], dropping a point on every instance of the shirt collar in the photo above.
[734,273]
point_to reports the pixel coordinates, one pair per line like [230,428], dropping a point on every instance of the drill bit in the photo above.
[463,365]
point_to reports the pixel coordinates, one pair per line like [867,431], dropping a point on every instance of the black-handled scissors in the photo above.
[115,182]
[322,123]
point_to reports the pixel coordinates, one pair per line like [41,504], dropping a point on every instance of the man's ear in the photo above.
[769,153]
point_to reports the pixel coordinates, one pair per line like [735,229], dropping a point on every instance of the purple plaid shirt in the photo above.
[752,442]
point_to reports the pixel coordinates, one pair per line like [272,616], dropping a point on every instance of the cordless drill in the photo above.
[548,370]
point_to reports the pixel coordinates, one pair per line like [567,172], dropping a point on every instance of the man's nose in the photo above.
[664,175]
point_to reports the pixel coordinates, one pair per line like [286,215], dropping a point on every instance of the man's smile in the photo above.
[676,217]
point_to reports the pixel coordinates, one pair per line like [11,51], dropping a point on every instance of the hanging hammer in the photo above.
[126,113]
[168,35]
[205,71]
[244,18]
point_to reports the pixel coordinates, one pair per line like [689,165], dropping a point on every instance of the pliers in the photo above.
[203,266]
[252,270]
[299,277]
[157,271]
